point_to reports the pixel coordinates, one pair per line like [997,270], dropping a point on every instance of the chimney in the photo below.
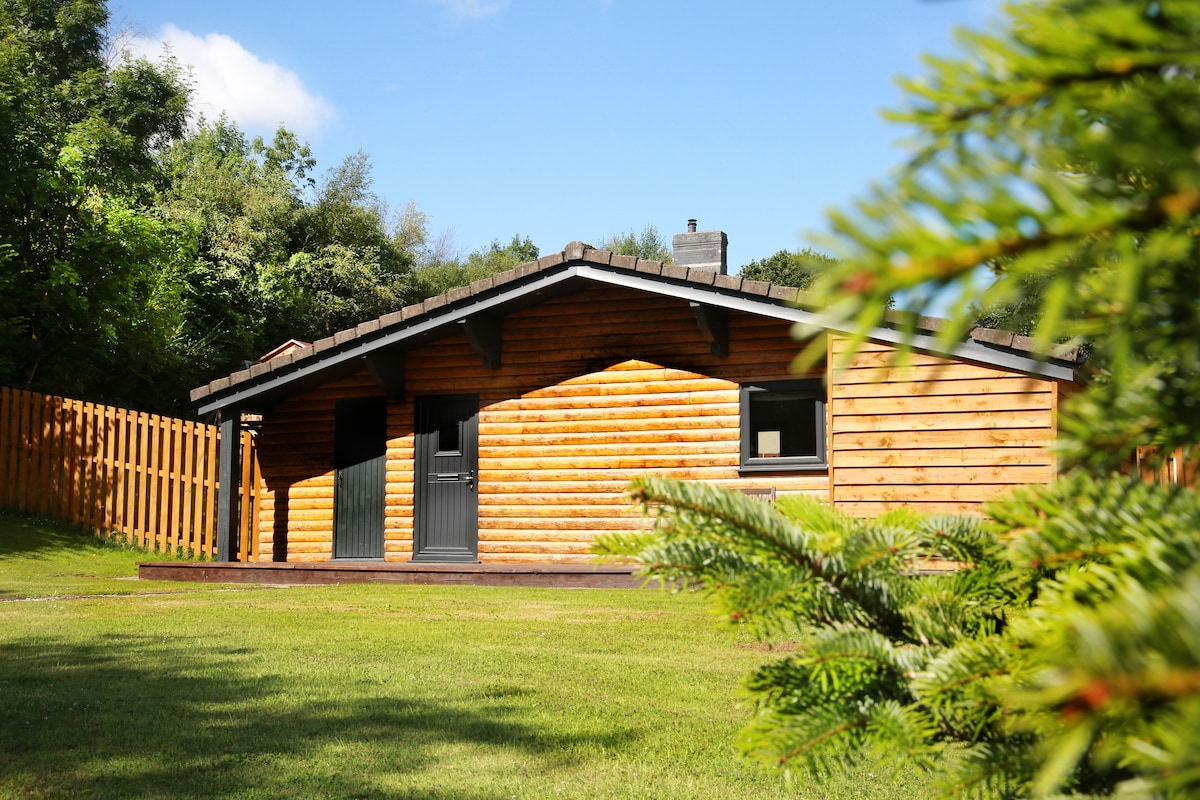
[701,249]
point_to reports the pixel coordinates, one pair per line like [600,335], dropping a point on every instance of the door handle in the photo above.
[453,477]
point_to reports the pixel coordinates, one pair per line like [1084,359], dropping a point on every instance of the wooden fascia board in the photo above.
[247,392]
[358,348]
[708,295]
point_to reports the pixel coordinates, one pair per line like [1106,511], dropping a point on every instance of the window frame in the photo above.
[819,462]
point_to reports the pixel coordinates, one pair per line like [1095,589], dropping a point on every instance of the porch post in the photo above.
[228,475]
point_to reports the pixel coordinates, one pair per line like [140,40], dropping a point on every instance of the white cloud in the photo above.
[472,10]
[257,94]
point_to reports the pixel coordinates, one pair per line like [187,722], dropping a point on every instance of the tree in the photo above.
[441,276]
[276,255]
[648,244]
[87,264]
[239,208]
[345,266]
[1065,662]
[796,269]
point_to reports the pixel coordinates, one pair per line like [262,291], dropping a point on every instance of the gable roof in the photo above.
[575,267]
[281,349]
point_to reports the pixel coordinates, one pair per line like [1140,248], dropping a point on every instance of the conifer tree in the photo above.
[1063,658]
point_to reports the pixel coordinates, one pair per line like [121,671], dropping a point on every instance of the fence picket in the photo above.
[54,500]
[148,479]
[109,486]
[23,456]
[210,491]
[88,439]
[123,478]
[5,442]
[71,460]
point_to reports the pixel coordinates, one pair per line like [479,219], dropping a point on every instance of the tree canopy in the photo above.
[648,244]
[141,255]
[86,259]
[795,268]
[441,274]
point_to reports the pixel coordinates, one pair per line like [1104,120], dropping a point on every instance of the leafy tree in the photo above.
[441,276]
[1062,658]
[240,209]
[276,255]
[1021,314]
[345,266]
[87,264]
[648,244]
[797,269]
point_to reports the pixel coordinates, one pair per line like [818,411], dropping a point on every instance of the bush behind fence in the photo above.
[141,478]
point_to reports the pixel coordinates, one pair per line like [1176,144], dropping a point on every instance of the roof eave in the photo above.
[728,292]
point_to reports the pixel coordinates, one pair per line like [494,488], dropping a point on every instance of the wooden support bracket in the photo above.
[483,334]
[387,368]
[714,327]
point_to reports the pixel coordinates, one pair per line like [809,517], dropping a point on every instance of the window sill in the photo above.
[782,466]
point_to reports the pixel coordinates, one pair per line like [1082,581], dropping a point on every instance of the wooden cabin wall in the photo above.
[594,389]
[295,453]
[934,434]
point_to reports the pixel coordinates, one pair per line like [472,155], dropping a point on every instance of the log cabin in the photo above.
[501,422]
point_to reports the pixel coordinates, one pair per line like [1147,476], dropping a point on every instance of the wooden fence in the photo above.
[141,478]
[1179,468]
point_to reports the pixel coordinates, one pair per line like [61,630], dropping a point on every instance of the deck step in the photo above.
[551,575]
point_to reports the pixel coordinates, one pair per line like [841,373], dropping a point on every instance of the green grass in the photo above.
[43,558]
[365,691]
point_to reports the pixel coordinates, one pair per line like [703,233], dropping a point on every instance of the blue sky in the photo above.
[576,119]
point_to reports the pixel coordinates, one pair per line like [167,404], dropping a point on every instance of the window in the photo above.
[783,426]
[449,439]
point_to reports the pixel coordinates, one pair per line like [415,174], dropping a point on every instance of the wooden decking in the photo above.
[333,572]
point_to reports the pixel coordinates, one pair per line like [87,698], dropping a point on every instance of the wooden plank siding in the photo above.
[594,389]
[931,433]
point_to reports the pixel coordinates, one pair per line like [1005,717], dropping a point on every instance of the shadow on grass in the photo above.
[140,717]
[30,536]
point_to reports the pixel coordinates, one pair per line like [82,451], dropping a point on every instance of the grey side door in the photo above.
[446,527]
[360,473]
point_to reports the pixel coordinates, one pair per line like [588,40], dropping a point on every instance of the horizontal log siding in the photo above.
[595,389]
[296,458]
[934,434]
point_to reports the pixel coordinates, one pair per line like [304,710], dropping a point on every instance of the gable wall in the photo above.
[595,389]
[600,387]
[934,434]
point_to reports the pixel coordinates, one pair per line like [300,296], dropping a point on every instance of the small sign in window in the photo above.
[768,444]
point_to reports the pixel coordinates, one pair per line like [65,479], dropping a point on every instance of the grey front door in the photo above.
[360,473]
[447,457]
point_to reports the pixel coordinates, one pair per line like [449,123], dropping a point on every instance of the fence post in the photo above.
[246,495]
[230,469]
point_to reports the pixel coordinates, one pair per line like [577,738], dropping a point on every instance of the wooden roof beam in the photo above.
[714,327]
[387,368]
[483,334]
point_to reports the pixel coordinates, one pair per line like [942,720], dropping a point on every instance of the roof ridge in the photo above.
[581,252]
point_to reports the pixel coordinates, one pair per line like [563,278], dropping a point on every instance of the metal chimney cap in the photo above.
[691,226]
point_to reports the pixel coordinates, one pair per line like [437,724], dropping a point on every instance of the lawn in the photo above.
[111,688]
